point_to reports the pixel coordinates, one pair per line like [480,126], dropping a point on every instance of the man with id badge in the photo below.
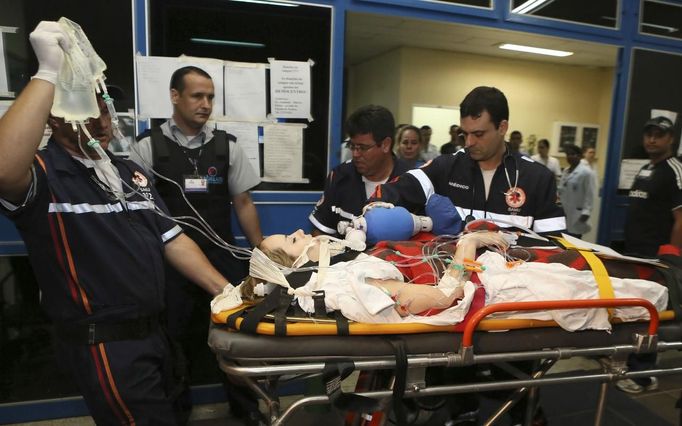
[214,174]
[655,211]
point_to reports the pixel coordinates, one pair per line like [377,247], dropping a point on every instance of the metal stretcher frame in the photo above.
[259,361]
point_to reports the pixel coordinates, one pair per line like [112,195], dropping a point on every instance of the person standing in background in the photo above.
[455,143]
[429,151]
[590,160]
[653,224]
[655,213]
[576,192]
[547,160]
[409,146]
[211,170]
[515,142]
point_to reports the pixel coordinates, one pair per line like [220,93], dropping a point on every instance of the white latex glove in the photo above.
[49,42]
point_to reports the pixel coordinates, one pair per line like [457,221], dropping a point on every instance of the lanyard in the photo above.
[194,161]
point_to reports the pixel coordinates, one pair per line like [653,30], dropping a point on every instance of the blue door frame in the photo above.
[292,208]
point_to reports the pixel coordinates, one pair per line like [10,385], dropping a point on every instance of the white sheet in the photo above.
[534,281]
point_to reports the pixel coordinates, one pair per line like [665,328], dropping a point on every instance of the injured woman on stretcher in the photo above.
[434,281]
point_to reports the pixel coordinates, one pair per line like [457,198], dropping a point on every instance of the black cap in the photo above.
[662,123]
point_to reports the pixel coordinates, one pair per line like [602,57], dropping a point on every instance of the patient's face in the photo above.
[293,244]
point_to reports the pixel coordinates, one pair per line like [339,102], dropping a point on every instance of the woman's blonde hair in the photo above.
[278,256]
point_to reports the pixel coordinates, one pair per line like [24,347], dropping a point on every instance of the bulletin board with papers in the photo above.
[270,67]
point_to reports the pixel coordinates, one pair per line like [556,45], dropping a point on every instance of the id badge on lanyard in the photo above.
[195,183]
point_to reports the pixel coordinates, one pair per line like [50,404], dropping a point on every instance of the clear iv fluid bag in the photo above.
[76,104]
[75,99]
[78,37]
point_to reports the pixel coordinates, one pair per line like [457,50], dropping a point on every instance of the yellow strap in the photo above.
[598,270]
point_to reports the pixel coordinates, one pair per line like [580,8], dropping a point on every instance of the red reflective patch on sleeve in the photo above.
[669,249]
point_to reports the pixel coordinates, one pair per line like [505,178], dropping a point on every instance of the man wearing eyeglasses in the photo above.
[350,184]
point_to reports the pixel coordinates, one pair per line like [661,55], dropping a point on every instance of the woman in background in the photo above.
[409,146]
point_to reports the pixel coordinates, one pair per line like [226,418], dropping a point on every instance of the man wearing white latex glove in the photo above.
[49,43]
[98,258]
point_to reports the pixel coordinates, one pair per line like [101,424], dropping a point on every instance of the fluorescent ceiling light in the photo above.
[225,42]
[271,3]
[530,6]
[538,50]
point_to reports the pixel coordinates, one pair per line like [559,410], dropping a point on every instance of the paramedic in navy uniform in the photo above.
[655,212]
[349,185]
[188,151]
[97,253]
[486,179]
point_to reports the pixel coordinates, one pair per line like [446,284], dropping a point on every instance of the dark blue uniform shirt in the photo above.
[97,259]
[345,188]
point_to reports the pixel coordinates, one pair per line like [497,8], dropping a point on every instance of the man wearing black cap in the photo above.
[654,221]
[655,213]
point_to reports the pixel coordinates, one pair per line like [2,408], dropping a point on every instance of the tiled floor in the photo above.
[566,405]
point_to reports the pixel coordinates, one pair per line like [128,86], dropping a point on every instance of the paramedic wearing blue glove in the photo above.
[97,253]
[349,185]
[486,179]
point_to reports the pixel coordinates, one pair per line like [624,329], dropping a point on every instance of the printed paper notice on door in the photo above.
[290,89]
[245,92]
[283,153]
[247,139]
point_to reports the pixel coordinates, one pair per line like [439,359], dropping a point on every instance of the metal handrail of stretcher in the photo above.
[466,356]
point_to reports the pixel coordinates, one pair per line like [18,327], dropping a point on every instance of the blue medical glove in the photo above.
[446,219]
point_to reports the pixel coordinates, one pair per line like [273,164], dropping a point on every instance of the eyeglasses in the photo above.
[360,147]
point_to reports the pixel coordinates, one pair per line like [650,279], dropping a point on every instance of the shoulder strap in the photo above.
[222,144]
[159,146]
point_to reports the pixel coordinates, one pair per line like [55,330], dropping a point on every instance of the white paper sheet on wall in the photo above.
[247,138]
[629,167]
[4,72]
[153,82]
[290,89]
[245,98]
[283,152]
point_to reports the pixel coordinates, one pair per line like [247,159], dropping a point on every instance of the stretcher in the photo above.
[265,353]
[264,361]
